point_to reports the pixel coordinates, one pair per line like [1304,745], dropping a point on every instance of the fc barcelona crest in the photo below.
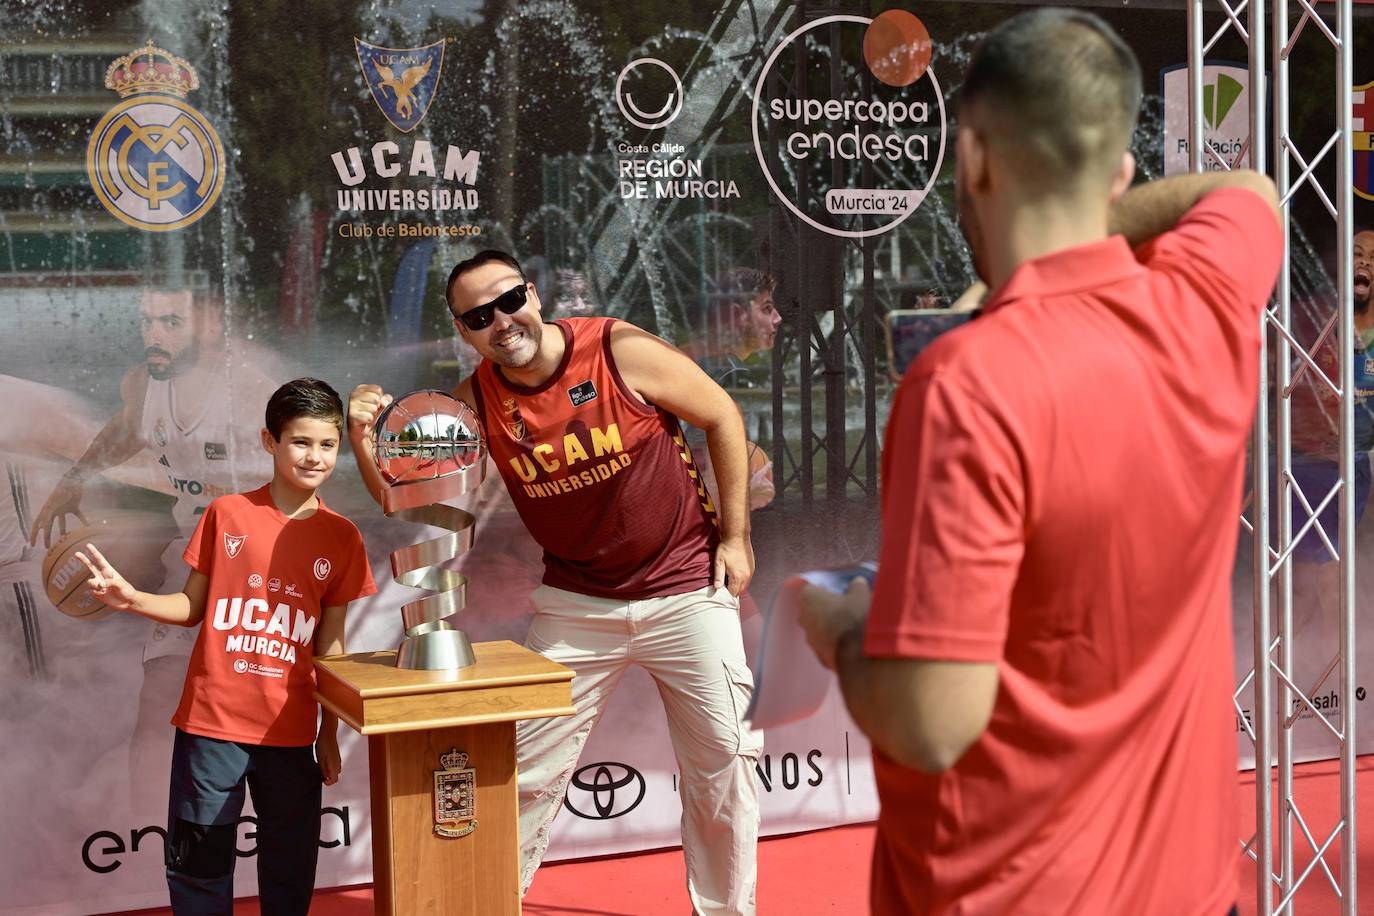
[455,795]
[403,81]
[1362,140]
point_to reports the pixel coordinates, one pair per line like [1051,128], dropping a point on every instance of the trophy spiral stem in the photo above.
[428,447]
[417,566]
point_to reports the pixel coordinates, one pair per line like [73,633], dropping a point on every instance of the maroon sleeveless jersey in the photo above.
[604,482]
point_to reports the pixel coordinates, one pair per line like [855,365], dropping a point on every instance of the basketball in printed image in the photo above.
[133,543]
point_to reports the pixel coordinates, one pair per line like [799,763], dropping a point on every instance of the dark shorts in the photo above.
[209,777]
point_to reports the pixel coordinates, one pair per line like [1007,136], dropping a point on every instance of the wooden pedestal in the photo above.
[410,719]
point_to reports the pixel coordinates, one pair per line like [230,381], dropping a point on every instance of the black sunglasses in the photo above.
[509,302]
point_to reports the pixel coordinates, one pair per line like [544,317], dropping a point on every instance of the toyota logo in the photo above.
[604,791]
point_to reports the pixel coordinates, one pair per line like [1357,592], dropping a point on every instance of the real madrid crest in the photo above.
[154,162]
[455,795]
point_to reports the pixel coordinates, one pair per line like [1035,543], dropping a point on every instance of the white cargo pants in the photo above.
[690,644]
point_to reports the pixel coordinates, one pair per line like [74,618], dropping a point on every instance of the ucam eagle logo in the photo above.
[233,543]
[153,161]
[403,81]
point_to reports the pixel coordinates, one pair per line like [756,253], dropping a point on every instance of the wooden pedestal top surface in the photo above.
[508,682]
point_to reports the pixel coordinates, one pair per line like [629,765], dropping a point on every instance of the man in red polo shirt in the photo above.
[1044,663]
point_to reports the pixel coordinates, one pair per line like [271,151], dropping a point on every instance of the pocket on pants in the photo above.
[740,680]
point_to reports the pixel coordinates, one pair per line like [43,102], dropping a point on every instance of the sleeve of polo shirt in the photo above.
[1228,247]
[953,527]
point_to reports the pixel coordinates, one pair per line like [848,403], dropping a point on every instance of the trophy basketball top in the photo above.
[428,447]
[426,435]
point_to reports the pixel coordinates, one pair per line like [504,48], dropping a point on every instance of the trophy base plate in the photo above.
[435,650]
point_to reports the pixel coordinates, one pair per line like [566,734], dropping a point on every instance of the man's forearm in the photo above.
[922,713]
[367,467]
[730,459]
[1155,207]
[866,703]
[115,444]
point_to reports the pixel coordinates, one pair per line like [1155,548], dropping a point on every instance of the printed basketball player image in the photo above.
[192,405]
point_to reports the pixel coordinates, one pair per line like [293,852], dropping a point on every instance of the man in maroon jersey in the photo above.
[581,416]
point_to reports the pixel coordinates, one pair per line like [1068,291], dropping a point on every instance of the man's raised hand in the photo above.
[364,404]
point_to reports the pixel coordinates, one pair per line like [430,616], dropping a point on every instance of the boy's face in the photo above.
[304,456]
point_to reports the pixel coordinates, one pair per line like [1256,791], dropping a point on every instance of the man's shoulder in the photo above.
[955,352]
[133,386]
[1231,228]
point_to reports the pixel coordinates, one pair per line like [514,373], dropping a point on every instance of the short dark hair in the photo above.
[303,397]
[742,285]
[1062,87]
[205,299]
[482,257]
[715,320]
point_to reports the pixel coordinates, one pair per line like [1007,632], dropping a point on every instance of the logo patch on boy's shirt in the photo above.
[216,451]
[322,569]
[233,543]
[582,393]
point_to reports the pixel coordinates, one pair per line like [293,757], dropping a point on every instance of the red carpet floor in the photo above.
[826,871]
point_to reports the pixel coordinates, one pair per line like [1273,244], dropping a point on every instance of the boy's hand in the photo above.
[106,583]
[364,404]
[327,753]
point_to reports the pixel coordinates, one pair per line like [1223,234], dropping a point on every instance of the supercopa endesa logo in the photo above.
[849,155]
[154,161]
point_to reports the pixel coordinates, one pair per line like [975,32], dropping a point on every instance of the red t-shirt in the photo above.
[603,481]
[1062,483]
[252,673]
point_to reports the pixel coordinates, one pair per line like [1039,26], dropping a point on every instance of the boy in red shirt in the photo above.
[275,569]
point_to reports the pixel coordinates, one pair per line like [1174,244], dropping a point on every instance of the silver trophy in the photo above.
[428,446]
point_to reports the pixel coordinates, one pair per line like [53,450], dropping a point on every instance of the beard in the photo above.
[174,365]
[521,358]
